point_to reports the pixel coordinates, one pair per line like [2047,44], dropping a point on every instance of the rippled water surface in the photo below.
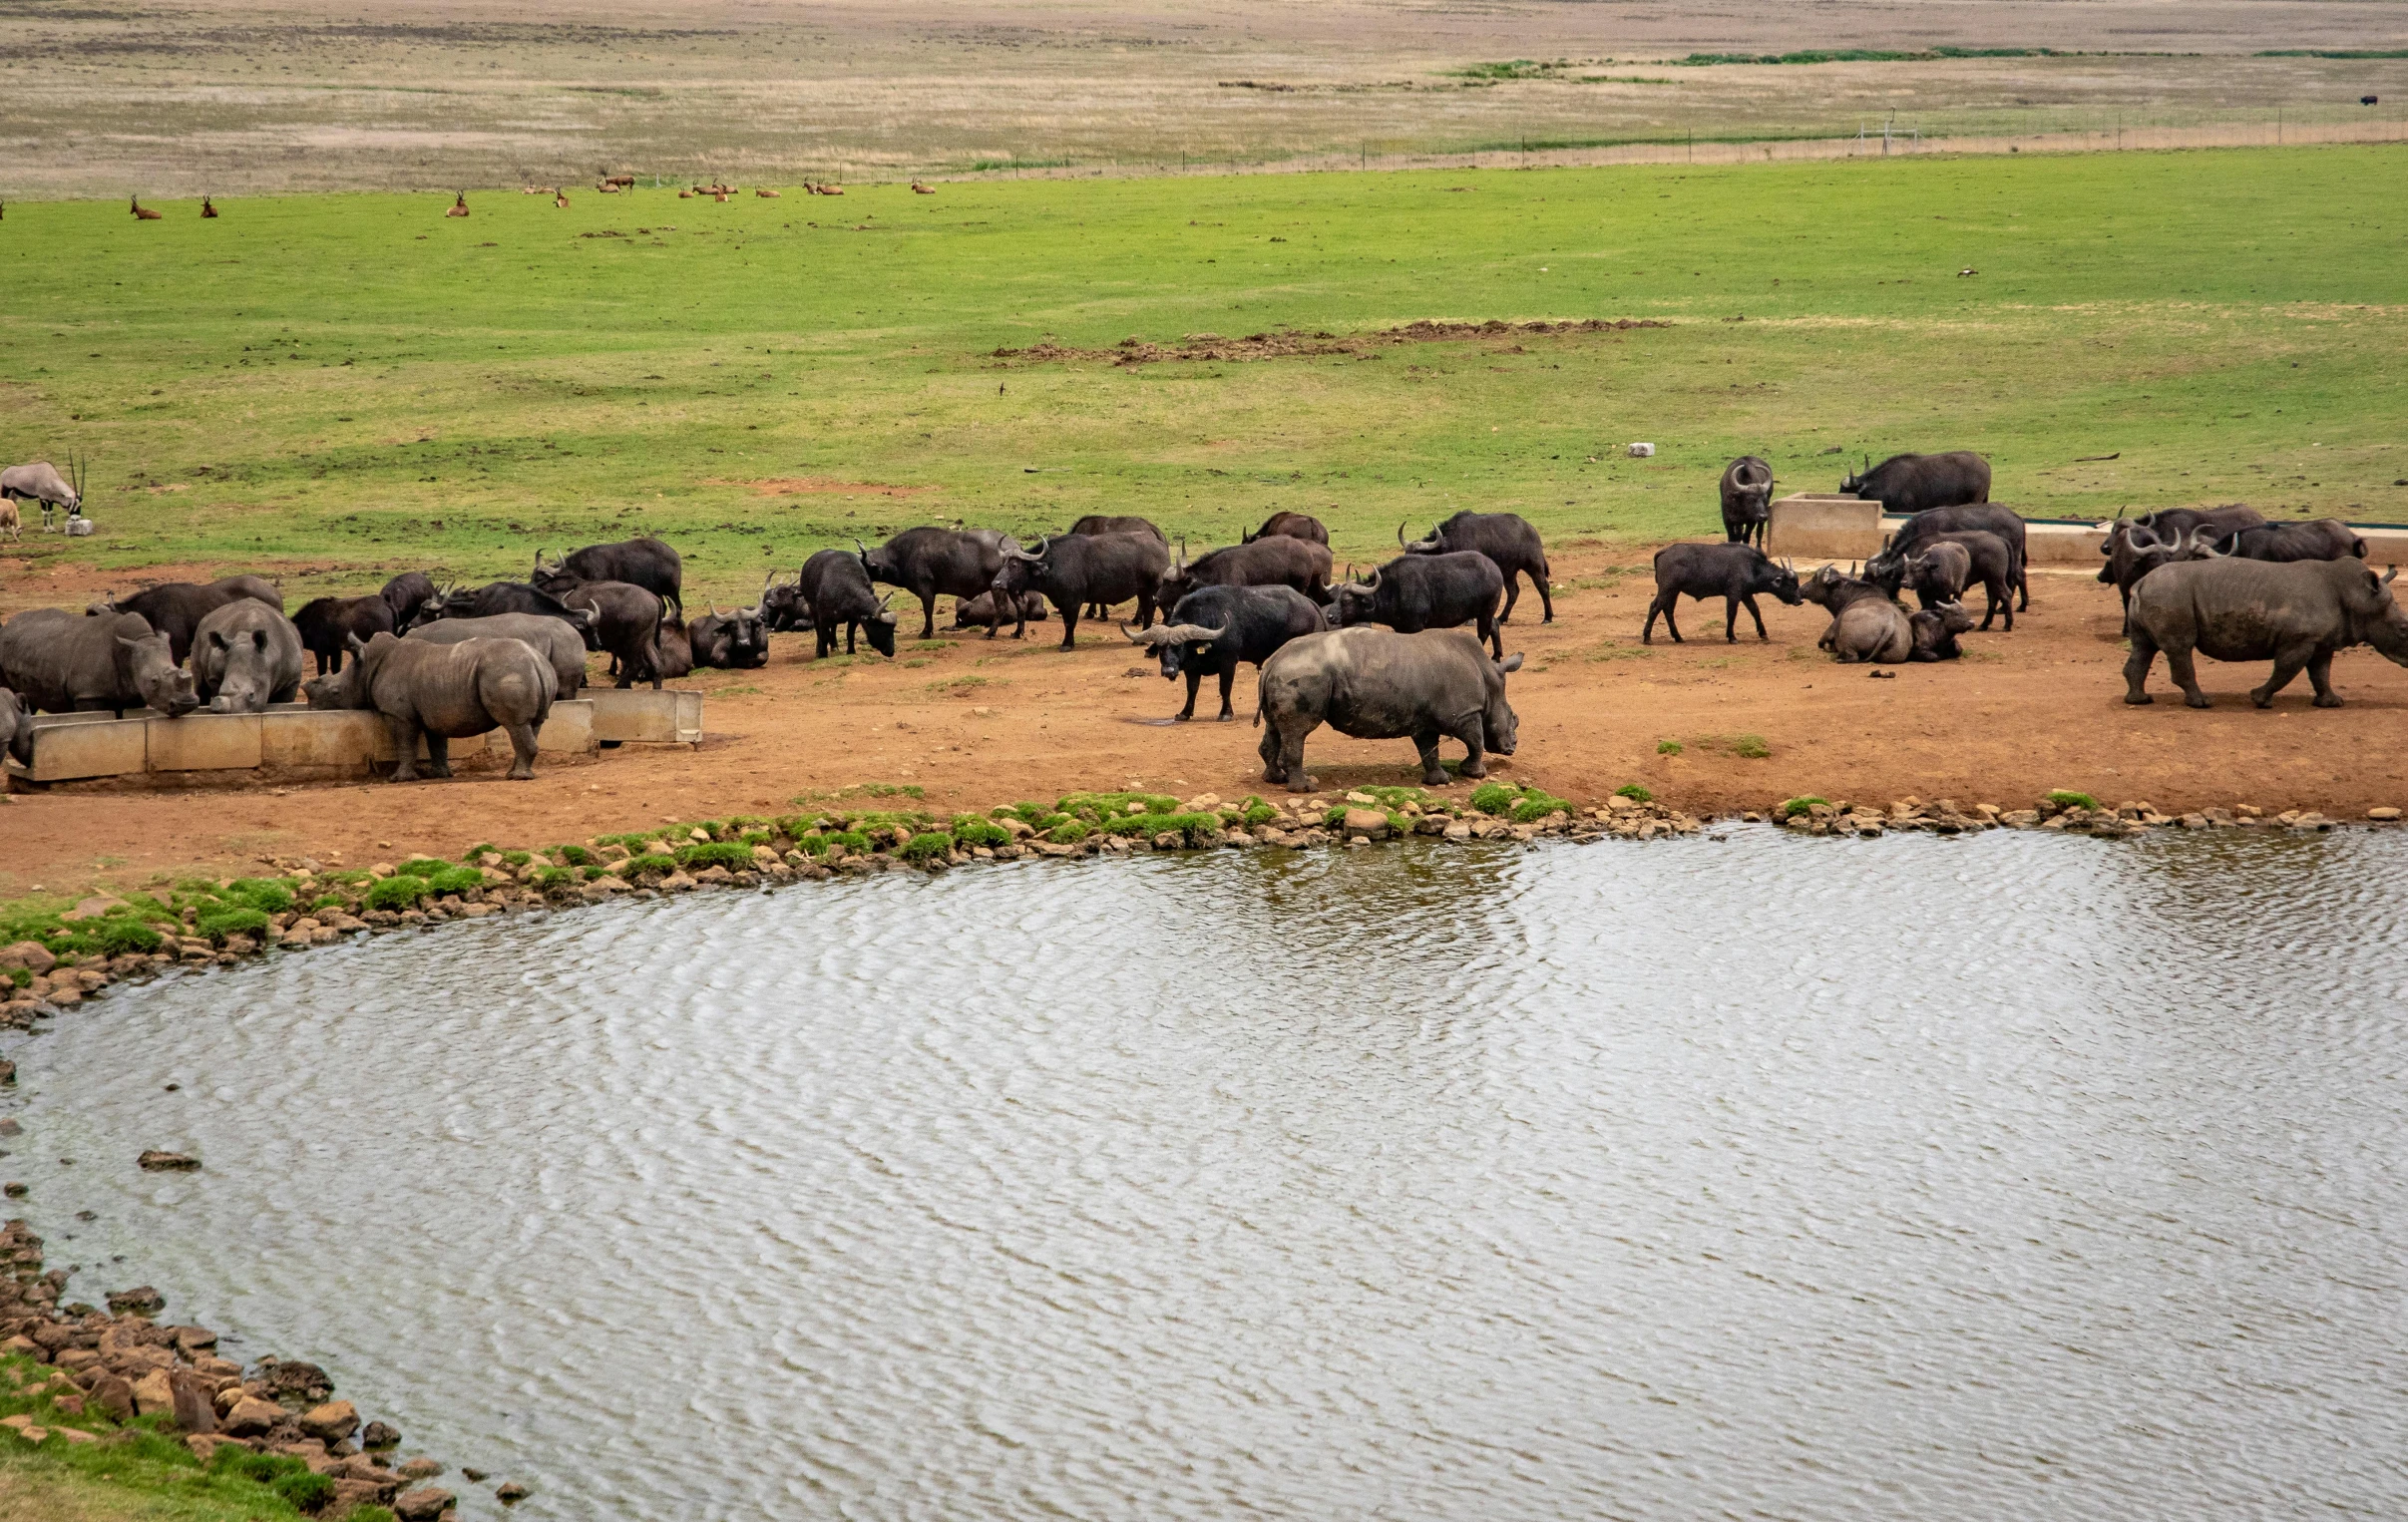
[2018,1176]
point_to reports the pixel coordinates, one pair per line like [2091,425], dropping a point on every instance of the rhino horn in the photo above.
[2389,574]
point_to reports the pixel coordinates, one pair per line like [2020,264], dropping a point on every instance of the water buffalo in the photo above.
[2136,547]
[1735,572]
[445,692]
[1866,624]
[558,641]
[506,597]
[973,613]
[736,640]
[1938,523]
[1079,570]
[1215,630]
[1291,525]
[1746,490]
[1106,523]
[643,562]
[245,655]
[783,606]
[1275,561]
[327,625]
[625,623]
[1374,684]
[2319,539]
[408,595]
[1938,572]
[175,608]
[1425,592]
[837,586]
[61,662]
[674,658]
[1507,539]
[930,562]
[2293,612]
[16,728]
[1936,630]
[1911,483]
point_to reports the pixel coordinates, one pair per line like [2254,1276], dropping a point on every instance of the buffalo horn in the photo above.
[2205,548]
[1400,534]
[1197,633]
[1373,583]
[2131,536]
[1147,637]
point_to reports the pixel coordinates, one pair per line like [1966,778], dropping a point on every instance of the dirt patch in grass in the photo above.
[1290,344]
[811,486]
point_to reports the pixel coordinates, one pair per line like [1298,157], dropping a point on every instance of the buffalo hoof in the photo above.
[439,771]
[2202,701]
[2139,699]
[1470,769]
[1436,777]
[2327,700]
[1181,718]
[1225,718]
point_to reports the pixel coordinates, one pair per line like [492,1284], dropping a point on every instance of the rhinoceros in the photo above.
[1378,684]
[16,728]
[444,692]
[2293,612]
[61,662]
[556,641]
[247,655]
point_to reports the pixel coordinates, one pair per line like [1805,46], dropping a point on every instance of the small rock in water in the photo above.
[379,1434]
[473,1477]
[510,1492]
[141,1300]
[2385,814]
[14,1190]
[156,1161]
[420,1468]
[425,1504]
[9,1126]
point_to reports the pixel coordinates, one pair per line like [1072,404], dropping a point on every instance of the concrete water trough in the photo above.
[1812,526]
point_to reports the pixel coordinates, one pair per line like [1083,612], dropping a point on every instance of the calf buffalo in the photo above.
[1746,490]
[1291,525]
[1507,539]
[175,608]
[838,590]
[974,612]
[784,609]
[1077,570]
[408,595]
[1938,523]
[1215,630]
[643,561]
[327,625]
[444,692]
[1374,684]
[2293,612]
[1735,572]
[61,662]
[1913,483]
[1425,592]
[930,562]
[1939,571]
[1867,625]
[1275,561]
[245,655]
[1936,630]
[560,642]
[2319,539]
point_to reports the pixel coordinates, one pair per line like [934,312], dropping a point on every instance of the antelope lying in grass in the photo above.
[140,211]
[766,194]
[459,205]
[923,189]
[559,198]
[10,524]
[207,210]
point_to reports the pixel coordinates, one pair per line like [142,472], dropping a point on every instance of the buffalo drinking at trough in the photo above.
[175,608]
[327,625]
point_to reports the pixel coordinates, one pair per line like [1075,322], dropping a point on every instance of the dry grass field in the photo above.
[247,96]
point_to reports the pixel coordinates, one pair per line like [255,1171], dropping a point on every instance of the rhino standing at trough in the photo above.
[61,662]
[1376,684]
[557,640]
[2295,614]
[16,728]
[247,655]
[445,692]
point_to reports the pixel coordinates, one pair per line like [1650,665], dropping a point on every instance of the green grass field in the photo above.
[360,381]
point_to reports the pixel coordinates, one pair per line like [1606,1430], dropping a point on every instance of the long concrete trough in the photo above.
[292,740]
[1817,527]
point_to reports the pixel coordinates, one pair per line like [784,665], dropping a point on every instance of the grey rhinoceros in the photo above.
[16,728]
[444,692]
[2293,612]
[1378,684]
[61,662]
[247,655]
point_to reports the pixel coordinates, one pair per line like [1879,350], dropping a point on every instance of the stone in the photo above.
[204,1446]
[32,956]
[141,1300]
[76,1435]
[425,1504]
[15,1190]
[473,1477]
[112,1394]
[190,1340]
[191,1402]
[289,1377]
[379,1434]
[1365,822]
[2385,814]
[510,1492]
[167,1162]
[419,1468]
[154,1393]
[351,1492]
[331,1422]
[252,1417]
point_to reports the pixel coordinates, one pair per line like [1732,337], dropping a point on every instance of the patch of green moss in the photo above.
[1668,747]
[970,830]
[729,854]
[2067,798]
[652,861]
[478,849]
[928,847]
[570,856]
[1069,832]
[263,894]
[1794,806]
[1034,815]
[119,937]
[1635,793]
[1492,798]
[401,890]
[218,924]
[549,880]
[1095,807]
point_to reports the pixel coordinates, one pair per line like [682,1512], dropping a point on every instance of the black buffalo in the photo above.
[979,611]
[1913,483]
[736,640]
[1746,491]
[328,623]
[1279,561]
[1984,518]
[930,562]
[783,606]
[1108,523]
[1733,572]
[625,621]
[175,608]
[1988,561]
[1291,525]
[408,595]
[1507,539]
[643,561]
[1215,630]
[1425,592]
[1079,569]
[510,597]
[837,588]
[1936,630]
[2136,547]
[2319,539]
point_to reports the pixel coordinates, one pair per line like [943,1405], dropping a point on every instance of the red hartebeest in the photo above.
[140,211]
[207,210]
[459,205]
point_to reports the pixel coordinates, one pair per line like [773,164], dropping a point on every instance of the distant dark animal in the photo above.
[2369,100]
[1506,539]
[2318,538]
[1866,624]
[61,662]
[408,594]
[2293,612]
[1735,572]
[445,692]
[643,561]
[674,657]
[930,562]
[1215,630]
[245,655]
[783,606]
[142,214]
[1292,526]
[16,728]
[973,612]
[1938,572]
[1280,560]
[510,597]
[1985,518]
[1746,490]
[626,625]
[326,624]
[1936,630]
[1079,569]
[837,588]
[1105,523]
[560,642]
[209,211]
[1913,482]
[736,640]
[1425,592]
[1373,684]
[175,608]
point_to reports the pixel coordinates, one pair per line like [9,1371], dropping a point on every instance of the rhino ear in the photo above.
[354,643]
[1510,664]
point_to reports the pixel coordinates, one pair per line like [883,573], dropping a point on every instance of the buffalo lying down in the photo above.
[2293,612]
[1376,684]
[444,692]
[1867,625]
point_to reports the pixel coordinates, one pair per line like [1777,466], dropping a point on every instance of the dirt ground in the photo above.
[975,724]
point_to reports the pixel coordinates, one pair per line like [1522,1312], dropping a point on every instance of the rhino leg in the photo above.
[1475,755]
[2136,669]
[2183,665]
[405,746]
[1427,742]
[1269,748]
[1289,759]
[438,755]
[2290,660]
[2321,672]
[521,752]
